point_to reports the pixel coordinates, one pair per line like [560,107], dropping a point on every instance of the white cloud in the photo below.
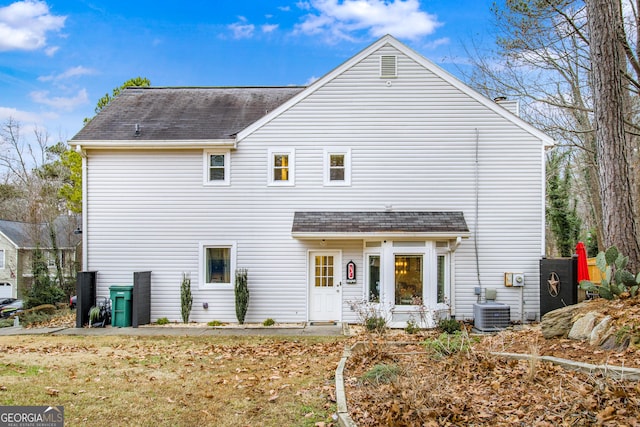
[284,8]
[242,29]
[269,28]
[345,19]
[24,26]
[18,115]
[67,74]
[60,103]
[437,43]
[50,51]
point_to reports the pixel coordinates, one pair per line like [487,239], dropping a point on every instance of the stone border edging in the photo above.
[344,420]
[609,371]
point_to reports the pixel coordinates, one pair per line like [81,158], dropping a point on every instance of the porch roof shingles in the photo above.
[414,222]
[183,114]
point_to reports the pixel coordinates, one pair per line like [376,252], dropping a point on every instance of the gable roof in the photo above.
[359,224]
[26,235]
[444,75]
[182,114]
[181,117]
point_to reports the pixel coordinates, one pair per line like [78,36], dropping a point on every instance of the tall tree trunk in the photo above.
[614,155]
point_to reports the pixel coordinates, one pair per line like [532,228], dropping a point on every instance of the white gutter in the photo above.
[136,144]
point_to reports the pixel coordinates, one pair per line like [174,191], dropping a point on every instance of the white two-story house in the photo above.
[387,180]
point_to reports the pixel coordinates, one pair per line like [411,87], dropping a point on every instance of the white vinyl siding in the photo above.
[412,147]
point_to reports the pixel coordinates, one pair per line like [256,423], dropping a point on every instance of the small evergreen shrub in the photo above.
[372,315]
[450,326]
[448,344]
[186,299]
[412,327]
[241,291]
[162,321]
[215,323]
[268,322]
[375,324]
[381,374]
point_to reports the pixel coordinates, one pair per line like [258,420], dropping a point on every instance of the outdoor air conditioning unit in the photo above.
[491,316]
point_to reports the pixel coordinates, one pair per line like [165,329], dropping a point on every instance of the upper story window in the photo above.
[216,167]
[337,167]
[281,166]
[1,258]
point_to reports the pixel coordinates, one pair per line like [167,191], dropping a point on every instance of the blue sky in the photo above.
[58,57]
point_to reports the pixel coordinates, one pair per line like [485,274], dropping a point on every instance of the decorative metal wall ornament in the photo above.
[554,284]
[351,272]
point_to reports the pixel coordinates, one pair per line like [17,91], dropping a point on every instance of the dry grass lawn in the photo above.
[176,381]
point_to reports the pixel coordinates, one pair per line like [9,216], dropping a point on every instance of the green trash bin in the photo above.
[121,305]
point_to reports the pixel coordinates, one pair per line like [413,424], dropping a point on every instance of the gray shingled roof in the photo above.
[27,235]
[379,222]
[183,113]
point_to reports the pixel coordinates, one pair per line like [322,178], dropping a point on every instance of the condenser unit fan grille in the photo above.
[491,316]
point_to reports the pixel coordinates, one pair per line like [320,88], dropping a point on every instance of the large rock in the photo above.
[558,323]
[582,327]
[600,330]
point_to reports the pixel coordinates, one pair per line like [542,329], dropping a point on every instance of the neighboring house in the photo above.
[18,242]
[387,179]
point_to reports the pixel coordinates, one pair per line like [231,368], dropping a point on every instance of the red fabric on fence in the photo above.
[583,268]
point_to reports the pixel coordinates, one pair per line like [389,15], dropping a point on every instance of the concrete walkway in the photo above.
[301,330]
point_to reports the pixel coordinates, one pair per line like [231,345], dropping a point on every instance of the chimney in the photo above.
[511,106]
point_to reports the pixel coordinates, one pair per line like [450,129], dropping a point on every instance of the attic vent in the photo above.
[388,66]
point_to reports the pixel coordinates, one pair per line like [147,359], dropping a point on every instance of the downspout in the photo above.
[477,201]
[85,251]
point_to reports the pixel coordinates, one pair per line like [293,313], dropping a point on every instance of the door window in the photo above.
[324,271]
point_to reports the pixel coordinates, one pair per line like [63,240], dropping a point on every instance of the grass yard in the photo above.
[174,381]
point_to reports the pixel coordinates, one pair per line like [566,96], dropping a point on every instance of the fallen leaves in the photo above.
[479,389]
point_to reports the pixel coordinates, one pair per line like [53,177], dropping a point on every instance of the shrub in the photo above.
[269,322]
[450,326]
[371,314]
[412,327]
[375,324]
[162,321]
[43,290]
[186,299]
[381,374]
[241,291]
[215,323]
[448,344]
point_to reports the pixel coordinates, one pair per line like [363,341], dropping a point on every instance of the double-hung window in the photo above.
[217,264]
[216,167]
[281,166]
[1,258]
[337,166]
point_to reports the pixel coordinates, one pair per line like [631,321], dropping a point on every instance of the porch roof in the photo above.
[336,225]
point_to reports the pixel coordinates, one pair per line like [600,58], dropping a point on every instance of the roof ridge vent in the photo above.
[388,66]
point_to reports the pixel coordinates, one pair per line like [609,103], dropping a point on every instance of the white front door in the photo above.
[325,286]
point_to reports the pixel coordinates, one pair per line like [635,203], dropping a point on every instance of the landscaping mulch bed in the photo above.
[475,387]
